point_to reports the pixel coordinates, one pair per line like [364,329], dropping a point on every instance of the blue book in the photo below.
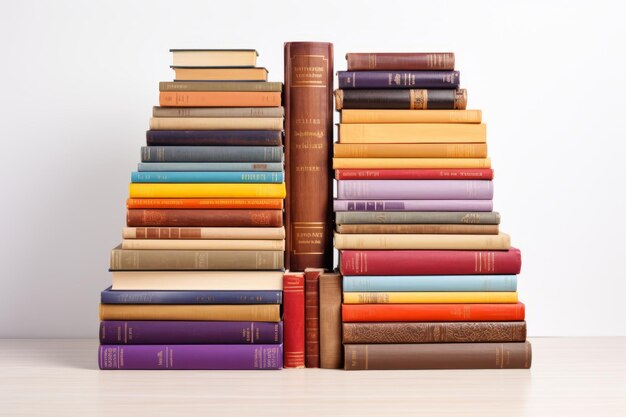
[110,296]
[211,153]
[430,283]
[210,177]
[210,166]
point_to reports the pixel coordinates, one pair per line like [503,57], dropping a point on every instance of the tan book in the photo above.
[500,241]
[220,86]
[398,163]
[158,111]
[273,233]
[214,57]
[216,123]
[331,351]
[220,74]
[413,133]
[193,312]
[350,116]
[207,244]
[454,229]
[198,280]
[410,150]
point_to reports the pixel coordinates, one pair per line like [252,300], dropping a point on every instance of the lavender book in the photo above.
[399,79]
[189,332]
[413,205]
[191,357]
[415,190]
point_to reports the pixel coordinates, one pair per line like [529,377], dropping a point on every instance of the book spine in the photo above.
[422,241]
[360,116]
[430,262]
[312,318]
[218,111]
[271,233]
[400,61]
[220,280]
[398,79]
[190,357]
[211,153]
[438,356]
[415,174]
[204,177]
[189,332]
[456,283]
[452,229]
[432,312]
[205,203]
[219,99]
[431,297]
[213,138]
[217,123]
[191,297]
[413,205]
[410,163]
[220,86]
[204,244]
[451,332]
[413,99]
[184,312]
[308,139]
[210,166]
[412,133]
[293,317]
[206,190]
[331,352]
[423,217]
[203,218]
[410,150]
[415,189]
[199,260]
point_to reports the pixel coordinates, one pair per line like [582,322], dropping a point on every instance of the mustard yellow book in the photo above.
[501,241]
[217,312]
[216,123]
[206,190]
[413,133]
[429,297]
[204,244]
[410,116]
[410,150]
[398,163]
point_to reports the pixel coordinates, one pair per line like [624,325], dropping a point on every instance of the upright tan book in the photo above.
[331,352]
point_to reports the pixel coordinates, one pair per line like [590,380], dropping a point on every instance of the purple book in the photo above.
[413,205]
[415,189]
[399,79]
[189,332]
[191,357]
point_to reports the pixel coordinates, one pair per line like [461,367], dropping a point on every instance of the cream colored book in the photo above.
[410,116]
[271,233]
[216,123]
[208,244]
[500,241]
[399,163]
[214,57]
[198,280]
[430,297]
[413,133]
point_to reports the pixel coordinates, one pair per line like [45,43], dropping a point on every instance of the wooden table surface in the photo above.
[569,377]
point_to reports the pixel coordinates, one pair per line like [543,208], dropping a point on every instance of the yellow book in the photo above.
[410,150]
[217,312]
[410,116]
[413,133]
[204,244]
[398,163]
[216,123]
[206,190]
[433,297]
[501,241]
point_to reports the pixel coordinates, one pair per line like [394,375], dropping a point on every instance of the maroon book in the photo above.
[203,218]
[293,319]
[312,316]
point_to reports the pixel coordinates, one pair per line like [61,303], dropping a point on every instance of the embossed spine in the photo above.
[312,317]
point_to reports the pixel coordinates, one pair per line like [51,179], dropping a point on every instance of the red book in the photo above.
[312,316]
[293,319]
[431,312]
[415,174]
[429,262]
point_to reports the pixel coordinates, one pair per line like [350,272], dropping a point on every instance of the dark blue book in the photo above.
[211,153]
[110,296]
[213,138]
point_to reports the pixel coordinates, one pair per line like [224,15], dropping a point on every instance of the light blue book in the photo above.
[211,177]
[430,283]
[210,166]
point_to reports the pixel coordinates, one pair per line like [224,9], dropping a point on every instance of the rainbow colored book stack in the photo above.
[197,279]
[429,281]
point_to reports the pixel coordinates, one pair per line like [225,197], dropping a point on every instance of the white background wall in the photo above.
[79,79]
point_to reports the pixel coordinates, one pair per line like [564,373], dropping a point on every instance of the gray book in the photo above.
[418,217]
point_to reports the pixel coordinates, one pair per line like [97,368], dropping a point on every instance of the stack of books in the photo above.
[197,280]
[428,279]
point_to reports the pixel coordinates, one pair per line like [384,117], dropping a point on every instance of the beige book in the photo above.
[271,233]
[500,241]
[248,312]
[410,116]
[398,163]
[198,280]
[413,133]
[208,244]
[218,111]
[214,57]
[216,123]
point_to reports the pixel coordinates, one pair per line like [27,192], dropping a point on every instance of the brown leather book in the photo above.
[439,356]
[203,218]
[331,352]
[435,332]
[312,317]
[308,153]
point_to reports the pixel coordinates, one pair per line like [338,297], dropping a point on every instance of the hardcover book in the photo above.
[213,138]
[450,229]
[214,57]
[405,99]
[203,217]
[415,174]
[211,154]
[186,312]
[273,233]
[429,283]
[312,317]
[399,79]
[415,190]
[501,241]
[412,205]
[400,61]
[210,166]
[293,317]
[412,133]
[331,352]
[417,217]
[197,280]
[110,296]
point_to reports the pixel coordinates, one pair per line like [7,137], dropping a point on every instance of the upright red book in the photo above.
[293,319]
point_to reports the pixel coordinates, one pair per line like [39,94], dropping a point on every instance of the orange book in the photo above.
[219,98]
[220,74]
[205,203]
[410,150]
[432,312]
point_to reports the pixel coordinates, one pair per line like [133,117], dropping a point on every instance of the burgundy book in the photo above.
[190,356]
[203,218]
[415,174]
[400,61]
[312,316]
[213,137]
[293,319]
[429,262]
[398,79]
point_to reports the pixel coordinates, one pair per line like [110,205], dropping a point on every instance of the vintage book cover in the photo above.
[210,166]
[207,177]
[216,123]
[412,205]
[440,283]
[214,57]
[410,163]
[204,244]
[501,241]
[213,137]
[205,203]
[187,73]
[110,296]
[405,99]
[412,133]
[430,297]
[235,280]
[331,352]
[449,229]
[219,99]
[398,79]
[220,86]
[312,317]
[211,154]
[415,174]
[203,218]
[195,312]
[410,150]
[400,61]
[274,233]
[293,317]
[415,190]
[417,217]
[158,111]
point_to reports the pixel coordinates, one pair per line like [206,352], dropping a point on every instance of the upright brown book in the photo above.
[312,317]
[330,321]
[308,153]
